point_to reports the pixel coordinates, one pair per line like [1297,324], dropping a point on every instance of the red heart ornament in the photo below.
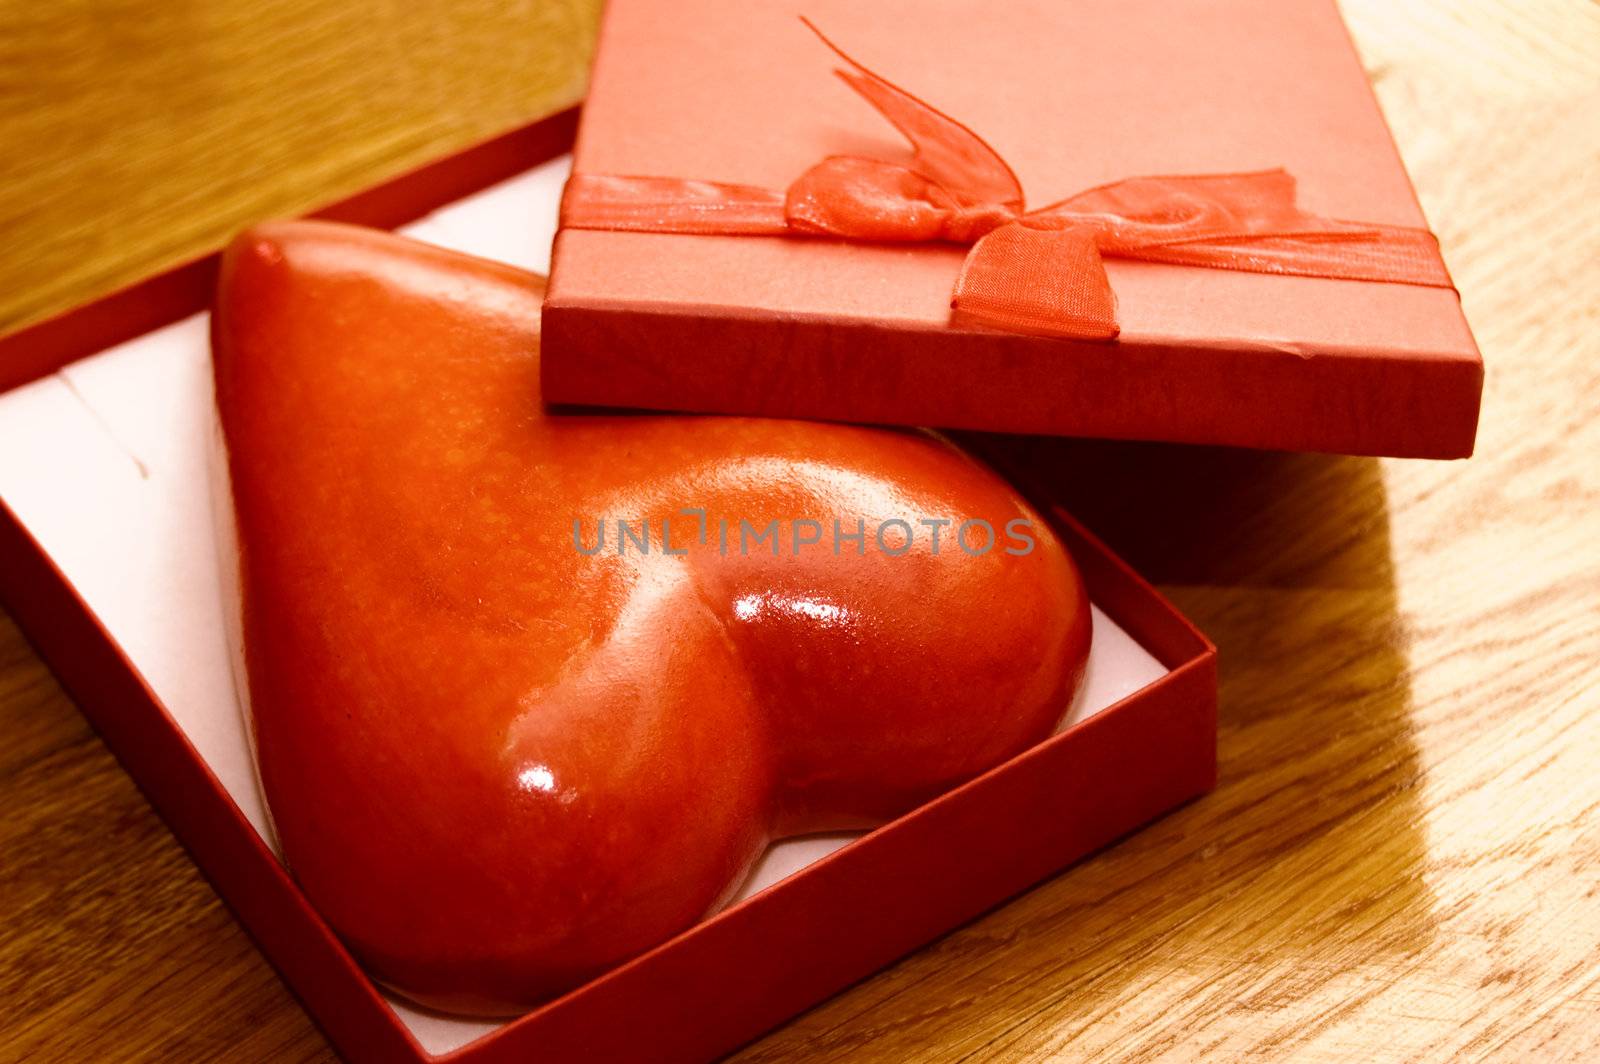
[499,764]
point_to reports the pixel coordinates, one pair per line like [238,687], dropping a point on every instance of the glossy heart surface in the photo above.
[507,742]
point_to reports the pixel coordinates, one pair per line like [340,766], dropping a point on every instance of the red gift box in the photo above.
[107,565]
[1071,97]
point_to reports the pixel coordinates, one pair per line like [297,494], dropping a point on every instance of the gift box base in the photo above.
[109,564]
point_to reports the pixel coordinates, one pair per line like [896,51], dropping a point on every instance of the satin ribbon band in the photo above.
[1037,271]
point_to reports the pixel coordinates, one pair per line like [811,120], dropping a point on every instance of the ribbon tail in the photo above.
[1049,282]
[1390,254]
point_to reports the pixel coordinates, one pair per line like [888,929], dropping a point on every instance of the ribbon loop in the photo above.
[1146,211]
[864,199]
[867,199]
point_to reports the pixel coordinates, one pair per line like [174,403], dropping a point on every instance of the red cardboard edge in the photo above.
[749,968]
[637,356]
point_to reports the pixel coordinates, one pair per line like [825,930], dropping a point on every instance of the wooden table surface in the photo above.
[1403,858]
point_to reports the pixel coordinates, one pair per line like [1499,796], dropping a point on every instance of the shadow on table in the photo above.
[1303,868]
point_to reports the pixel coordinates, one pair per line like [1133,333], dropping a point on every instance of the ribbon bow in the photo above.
[1037,271]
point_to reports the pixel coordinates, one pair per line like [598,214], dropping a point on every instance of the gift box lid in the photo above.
[1071,97]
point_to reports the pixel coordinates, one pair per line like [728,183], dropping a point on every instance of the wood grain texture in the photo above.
[1402,861]
[138,134]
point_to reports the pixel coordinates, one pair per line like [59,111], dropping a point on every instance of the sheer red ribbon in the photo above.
[1037,271]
